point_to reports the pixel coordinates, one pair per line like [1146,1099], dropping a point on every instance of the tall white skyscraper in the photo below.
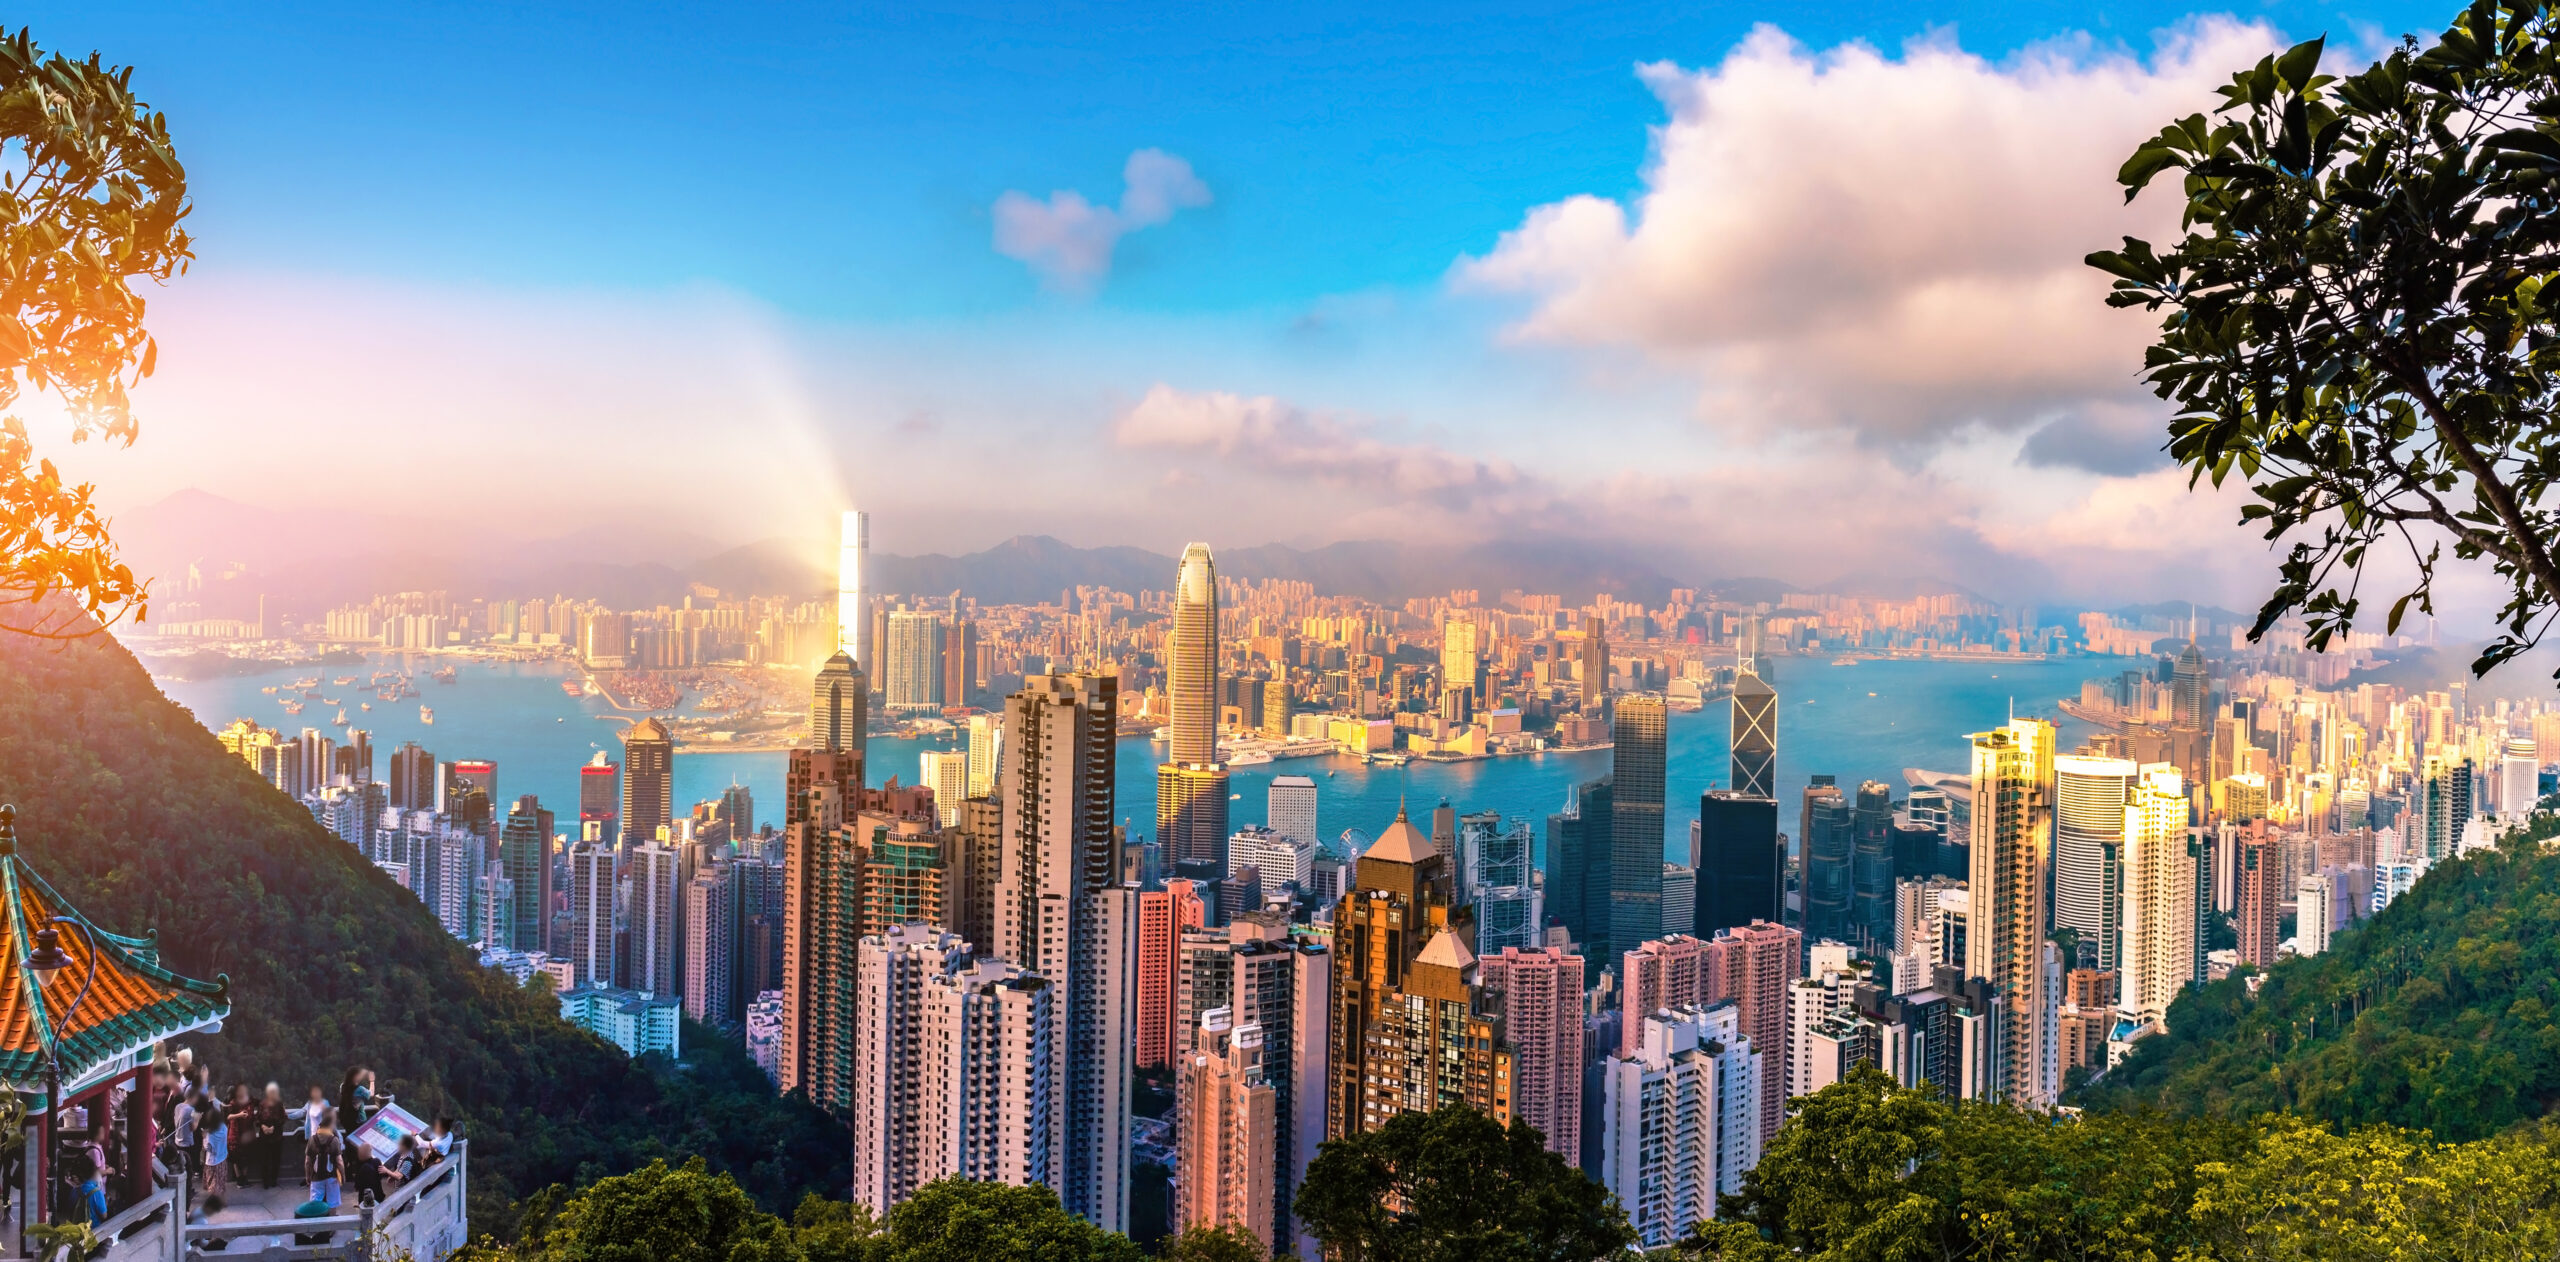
[656,919]
[946,772]
[986,746]
[954,1061]
[2089,797]
[1679,1119]
[1061,912]
[2162,952]
[1291,808]
[853,621]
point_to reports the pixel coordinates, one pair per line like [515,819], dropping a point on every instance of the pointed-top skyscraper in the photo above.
[1191,786]
[839,707]
[1755,735]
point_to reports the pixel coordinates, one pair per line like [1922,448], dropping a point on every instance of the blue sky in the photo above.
[839,164]
[769,233]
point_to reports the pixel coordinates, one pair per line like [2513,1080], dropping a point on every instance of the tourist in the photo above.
[272,1119]
[364,1173]
[93,1195]
[243,1114]
[408,1161]
[355,1098]
[441,1137]
[182,1133]
[321,1158]
[313,1114]
[213,1128]
[202,1215]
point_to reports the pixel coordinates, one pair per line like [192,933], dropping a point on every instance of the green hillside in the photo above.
[2435,1015]
[129,806]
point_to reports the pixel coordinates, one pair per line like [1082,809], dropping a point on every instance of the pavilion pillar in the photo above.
[141,1136]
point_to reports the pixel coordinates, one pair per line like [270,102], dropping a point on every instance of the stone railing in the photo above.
[422,1222]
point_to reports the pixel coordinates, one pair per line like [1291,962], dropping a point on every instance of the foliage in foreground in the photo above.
[130,807]
[92,204]
[1871,1171]
[2434,1015]
[688,1214]
[2359,321]
[1455,1186]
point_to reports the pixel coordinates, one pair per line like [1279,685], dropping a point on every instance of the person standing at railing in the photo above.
[266,1154]
[323,1157]
[213,1127]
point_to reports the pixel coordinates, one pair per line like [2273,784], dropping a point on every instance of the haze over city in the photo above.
[1789,295]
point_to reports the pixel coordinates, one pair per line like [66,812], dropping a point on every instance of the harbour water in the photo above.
[1856,722]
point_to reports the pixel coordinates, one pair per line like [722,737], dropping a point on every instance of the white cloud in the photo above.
[1069,241]
[1886,246]
[1274,437]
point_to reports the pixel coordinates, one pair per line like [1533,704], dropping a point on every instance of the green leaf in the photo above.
[2298,63]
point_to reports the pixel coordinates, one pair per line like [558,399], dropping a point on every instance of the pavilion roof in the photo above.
[133,1002]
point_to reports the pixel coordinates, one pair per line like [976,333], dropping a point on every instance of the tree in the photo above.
[660,1213]
[957,1220]
[2359,322]
[1456,1186]
[1225,1242]
[92,201]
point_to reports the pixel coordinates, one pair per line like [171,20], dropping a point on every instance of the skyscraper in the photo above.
[1501,881]
[2005,925]
[1164,915]
[648,780]
[524,853]
[1871,867]
[912,674]
[592,878]
[1541,990]
[1755,736]
[986,738]
[1679,1119]
[1229,1131]
[1291,808]
[1061,913]
[2089,799]
[656,919]
[853,551]
[710,944]
[2191,690]
[1595,668]
[414,779]
[2163,950]
[1636,772]
[821,926]
[2259,894]
[1579,844]
[1254,971]
[1741,865]
[840,707]
[1828,839]
[1408,1033]
[1191,786]
[600,795]
[1460,656]
[946,772]
[959,1056]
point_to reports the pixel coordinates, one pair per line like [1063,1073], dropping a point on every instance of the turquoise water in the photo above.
[515,715]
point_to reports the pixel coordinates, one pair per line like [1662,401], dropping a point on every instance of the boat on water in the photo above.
[1248,757]
[343,680]
[1844,661]
[444,675]
[569,687]
[270,690]
[364,705]
[340,721]
[427,716]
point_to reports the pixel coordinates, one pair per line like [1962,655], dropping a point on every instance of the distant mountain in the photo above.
[305,561]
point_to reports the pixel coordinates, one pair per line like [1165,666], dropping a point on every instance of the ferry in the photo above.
[364,705]
[1248,757]
[570,688]
[270,690]
[293,707]
[1844,661]
[343,680]
[426,716]
[445,675]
